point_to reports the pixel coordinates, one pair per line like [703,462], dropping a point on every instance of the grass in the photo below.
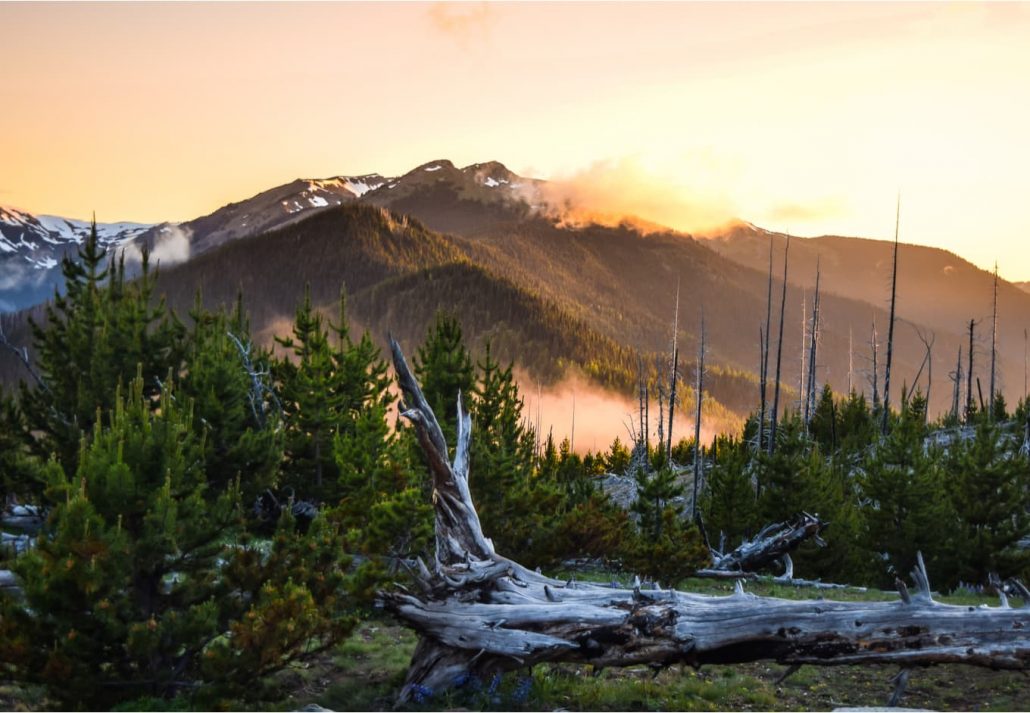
[367,671]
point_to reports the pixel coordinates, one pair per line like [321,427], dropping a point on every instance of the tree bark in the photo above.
[769,546]
[479,613]
[890,327]
[779,354]
[994,344]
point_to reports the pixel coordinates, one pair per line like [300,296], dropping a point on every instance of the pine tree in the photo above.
[133,535]
[729,504]
[444,368]
[906,507]
[94,337]
[856,428]
[797,478]
[312,404]
[21,475]
[990,493]
[502,451]
[238,445]
[664,547]
[825,424]
[618,458]
[142,571]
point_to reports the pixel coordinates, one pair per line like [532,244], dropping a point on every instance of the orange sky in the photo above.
[808,117]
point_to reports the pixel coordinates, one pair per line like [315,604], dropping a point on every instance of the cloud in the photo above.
[819,209]
[462,22]
[170,247]
[614,192]
[600,415]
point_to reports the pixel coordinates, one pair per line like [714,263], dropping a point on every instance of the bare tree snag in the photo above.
[956,394]
[851,360]
[779,354]
[890,326]
[764,348]
[478,613]
[876,374]
[768,547]
[8,581]
[699,398]
[802,391]
[994,344]
[813,352]
[762,364]
[928,342]
[969,373]
[673,375]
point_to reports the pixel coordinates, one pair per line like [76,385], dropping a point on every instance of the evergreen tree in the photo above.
[21,475]
[618,458]
[729,505]
[502,450]
[125,591]
[239,446]
[797,478]
[825,424]
[94,337]
[664,546]
[905,506]
[856,428]
[444,368]
[312,404]
[991,493]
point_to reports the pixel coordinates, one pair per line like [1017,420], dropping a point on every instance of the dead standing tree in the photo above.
[478,613]
[994,346]
[779,354]
[890,326]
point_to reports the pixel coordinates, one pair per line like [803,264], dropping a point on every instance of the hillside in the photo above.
[31,249]
[936,289]
[397,275]
[614,287]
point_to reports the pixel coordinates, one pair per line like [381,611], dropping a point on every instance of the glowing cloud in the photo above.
[462,22]
[626,191]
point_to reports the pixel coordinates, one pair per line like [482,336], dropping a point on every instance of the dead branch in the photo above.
[481,614]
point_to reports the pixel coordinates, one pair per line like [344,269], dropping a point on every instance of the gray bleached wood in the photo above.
[480,613]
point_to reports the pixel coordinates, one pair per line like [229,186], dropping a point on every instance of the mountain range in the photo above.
[481,241]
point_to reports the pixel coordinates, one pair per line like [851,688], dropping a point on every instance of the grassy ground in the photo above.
[368,670]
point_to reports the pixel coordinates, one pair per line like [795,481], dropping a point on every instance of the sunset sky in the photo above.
[805,117]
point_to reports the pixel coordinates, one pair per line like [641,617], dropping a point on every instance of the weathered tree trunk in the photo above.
[8,580]
[876,373]
[890,327]
[478,613]
[699,398]
[779,354]
[764,348]
[673,375]
[813,353]
[958,386]
[994,344]
[969,373]
[768,547]
[762,364]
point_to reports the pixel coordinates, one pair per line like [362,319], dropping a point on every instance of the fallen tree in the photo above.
[478,613]
[771,545]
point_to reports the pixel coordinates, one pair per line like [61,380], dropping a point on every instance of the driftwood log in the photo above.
[772,545]
[478,613]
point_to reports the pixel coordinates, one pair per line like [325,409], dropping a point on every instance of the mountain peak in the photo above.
[432,166]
